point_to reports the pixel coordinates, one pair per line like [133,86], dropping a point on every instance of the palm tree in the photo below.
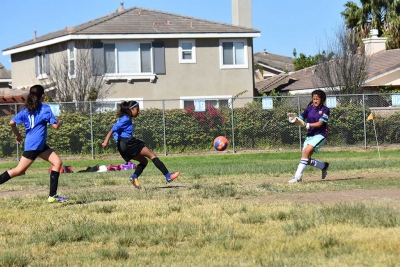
[383,15]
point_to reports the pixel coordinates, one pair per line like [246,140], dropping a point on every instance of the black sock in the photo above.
[160,166]
[139,169]
[53,183]
[4,177]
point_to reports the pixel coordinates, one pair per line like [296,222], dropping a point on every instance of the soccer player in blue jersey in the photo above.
[131,148]
[35,116]
[315,118]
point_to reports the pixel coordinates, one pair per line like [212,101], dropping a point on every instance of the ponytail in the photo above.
[34,98]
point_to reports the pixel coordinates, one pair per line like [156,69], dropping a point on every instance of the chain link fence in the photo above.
[189,126]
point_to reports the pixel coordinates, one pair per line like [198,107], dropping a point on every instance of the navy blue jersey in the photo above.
[35,125]
[123,128]
[313,114]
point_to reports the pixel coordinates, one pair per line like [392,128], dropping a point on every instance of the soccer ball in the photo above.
[221,143]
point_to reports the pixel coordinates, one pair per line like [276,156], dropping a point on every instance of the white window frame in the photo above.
[215,97]
[130,77]
[42,62]
[71,45]
[118,101]
[245,56]
[181,50]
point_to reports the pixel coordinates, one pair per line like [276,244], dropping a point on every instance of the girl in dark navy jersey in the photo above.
[132,148]
[35,116]
[315,118]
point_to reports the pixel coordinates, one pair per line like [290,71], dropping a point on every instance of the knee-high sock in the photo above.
[301,168]
[139,169]
[4,177]
[160,166]
[53,183]
[318,164]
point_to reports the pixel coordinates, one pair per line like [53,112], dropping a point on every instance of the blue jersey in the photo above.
[35,125]
[123,128]
[313,114]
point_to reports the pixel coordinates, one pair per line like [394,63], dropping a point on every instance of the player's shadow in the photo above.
[338,179]
[167,187]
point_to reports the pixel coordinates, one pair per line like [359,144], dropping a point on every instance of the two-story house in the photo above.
[149,55]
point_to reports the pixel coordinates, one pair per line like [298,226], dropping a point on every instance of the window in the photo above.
[42,64]
[233,54]
[187,51]
[222,101]
[128,58]
[71,59]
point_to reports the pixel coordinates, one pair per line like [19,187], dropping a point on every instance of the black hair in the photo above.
[321,95]
[35,95]
[125,108]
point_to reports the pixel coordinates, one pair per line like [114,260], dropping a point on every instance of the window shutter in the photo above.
[159,57]
[36,64]
[97,58]
[47,60]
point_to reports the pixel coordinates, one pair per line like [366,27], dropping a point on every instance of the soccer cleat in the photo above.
[295,180]
[325,170]
[173,176]
[135,182]
[56,198]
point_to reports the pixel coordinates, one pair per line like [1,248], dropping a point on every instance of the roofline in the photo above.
[128,36]
[269,67]
[5,80]
[381,75]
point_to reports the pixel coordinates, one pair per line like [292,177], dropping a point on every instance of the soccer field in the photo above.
[224,210]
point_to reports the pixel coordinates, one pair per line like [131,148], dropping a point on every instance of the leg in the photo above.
[21,168]
[159,164]
[304,161]
[51,156]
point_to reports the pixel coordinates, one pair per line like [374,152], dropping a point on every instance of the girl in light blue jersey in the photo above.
[131,148]
[35,116]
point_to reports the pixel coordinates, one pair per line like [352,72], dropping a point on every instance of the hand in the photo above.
[60,122]
[104,144]
[18,138]
[291,117]
[308,125]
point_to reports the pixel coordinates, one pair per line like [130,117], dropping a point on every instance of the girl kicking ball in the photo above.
[131,148]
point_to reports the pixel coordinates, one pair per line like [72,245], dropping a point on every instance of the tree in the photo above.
[383,15]
[72,75]
[303,61]
[344,66]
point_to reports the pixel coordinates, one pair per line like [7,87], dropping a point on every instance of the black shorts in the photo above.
[33,154]
[130,148]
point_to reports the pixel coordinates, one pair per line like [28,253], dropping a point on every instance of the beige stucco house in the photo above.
[5,78]
[149,55]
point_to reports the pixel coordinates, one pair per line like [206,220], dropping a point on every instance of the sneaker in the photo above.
[135,182]
[56,198]
[173,176]
[295,180]
[325,170]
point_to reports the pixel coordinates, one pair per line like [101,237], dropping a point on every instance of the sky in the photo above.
[284,24]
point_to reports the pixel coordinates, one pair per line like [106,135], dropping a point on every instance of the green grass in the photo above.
[224,210]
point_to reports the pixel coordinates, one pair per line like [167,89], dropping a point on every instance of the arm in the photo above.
[108,136]
[14,128]
[57,125]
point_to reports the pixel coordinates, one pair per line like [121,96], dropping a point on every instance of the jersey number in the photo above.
[31,119]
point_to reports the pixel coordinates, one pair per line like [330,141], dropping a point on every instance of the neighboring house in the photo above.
[8,95]
[272,64]
[151,55]
[384,70]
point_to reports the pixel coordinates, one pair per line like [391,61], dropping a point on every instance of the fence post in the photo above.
[365,127]
[233,127]
[164,126]
[299,112]
[91,128]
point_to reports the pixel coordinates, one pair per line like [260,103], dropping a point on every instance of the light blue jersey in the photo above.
[35,125]
[123,128]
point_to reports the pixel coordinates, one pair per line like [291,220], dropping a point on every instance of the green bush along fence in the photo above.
[245,122]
